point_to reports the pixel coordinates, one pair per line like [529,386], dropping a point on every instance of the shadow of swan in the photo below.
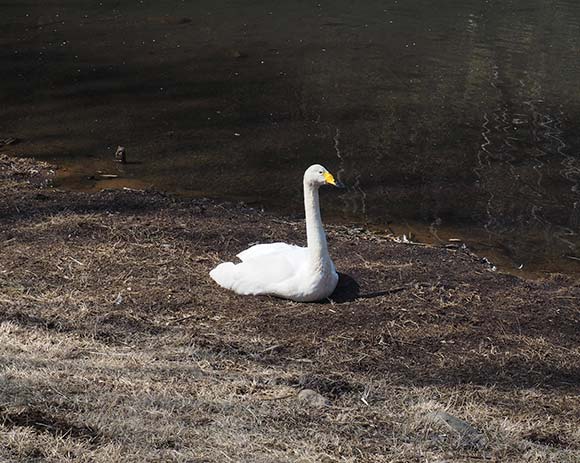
[348,290]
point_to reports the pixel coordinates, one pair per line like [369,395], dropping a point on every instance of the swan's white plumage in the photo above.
[285,270]
[263,268]
[295,254]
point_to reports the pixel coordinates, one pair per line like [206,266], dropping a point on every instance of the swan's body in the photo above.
[284,270]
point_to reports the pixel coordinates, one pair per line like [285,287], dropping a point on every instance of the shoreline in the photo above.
[117,346]
[421,233]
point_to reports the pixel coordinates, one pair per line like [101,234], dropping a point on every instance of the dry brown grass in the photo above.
[116,347]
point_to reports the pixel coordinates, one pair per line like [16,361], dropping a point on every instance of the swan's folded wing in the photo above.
[261,275]
[296,256]
[264,269]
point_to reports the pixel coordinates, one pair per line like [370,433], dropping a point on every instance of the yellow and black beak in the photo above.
[331,181]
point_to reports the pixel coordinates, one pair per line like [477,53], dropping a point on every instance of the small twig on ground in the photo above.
[75,260]
[365,395]
[268,349]
[180,319]
[282,397]
[224,454]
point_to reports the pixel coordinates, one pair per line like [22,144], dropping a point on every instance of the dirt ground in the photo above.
[116,346]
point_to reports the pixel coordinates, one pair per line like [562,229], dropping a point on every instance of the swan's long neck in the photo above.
[316,238]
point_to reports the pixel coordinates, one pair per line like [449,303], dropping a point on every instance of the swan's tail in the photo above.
[224,274]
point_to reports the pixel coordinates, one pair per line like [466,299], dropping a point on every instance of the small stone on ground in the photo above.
[312,398]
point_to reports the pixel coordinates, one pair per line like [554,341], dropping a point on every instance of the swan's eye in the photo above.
[320,172]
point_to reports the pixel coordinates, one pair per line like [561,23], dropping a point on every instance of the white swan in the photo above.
[284,270]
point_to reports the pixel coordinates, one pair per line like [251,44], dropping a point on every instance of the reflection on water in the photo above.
[453,121]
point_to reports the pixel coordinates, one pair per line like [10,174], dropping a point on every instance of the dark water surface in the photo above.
[451,119]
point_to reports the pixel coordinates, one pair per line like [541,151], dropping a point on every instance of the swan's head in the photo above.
[317,175]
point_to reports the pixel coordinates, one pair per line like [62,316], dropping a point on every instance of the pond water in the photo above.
[453,119]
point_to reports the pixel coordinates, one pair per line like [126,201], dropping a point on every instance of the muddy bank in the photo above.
[427,313]
[129,268]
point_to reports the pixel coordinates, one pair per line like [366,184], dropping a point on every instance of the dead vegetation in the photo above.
[116,345]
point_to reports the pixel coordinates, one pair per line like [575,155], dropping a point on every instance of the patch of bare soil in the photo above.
[116,345]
